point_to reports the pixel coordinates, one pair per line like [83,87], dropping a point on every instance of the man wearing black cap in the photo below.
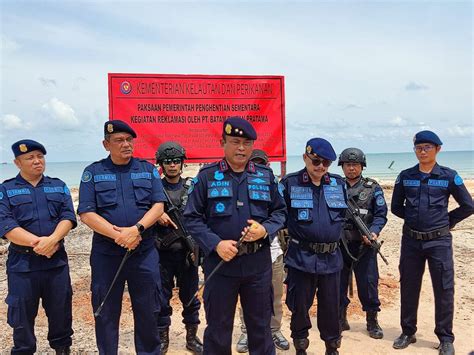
[120,198]
[259,156]
[36,213]
[227,200]
[316,203]
[420,197]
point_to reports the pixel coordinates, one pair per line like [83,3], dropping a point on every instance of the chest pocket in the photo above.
[334,197]
[55,204]
[142,189]
[219,194]
[438,196]
[412,191]
[22,207]
[301,200]
[259,195]
[106,193]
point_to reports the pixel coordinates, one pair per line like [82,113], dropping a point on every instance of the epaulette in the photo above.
[368,182]
[287,176]
[261,166]
[8,180]
[208,166]
[337,176]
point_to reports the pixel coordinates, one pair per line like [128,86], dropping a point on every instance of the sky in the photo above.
[363,74]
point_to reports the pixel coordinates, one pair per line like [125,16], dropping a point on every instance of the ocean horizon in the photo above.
[381,166]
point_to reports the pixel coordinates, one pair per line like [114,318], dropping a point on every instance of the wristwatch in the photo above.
[140,227]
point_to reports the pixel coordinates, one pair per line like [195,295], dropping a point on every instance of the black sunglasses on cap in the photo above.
[175,161]
[318,161]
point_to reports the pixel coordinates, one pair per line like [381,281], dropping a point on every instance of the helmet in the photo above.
[170,150]
[352,155]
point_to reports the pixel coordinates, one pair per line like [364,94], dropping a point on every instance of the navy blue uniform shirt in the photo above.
[121,194]
[37,209]
[422,199]
[311,219]
[220,203]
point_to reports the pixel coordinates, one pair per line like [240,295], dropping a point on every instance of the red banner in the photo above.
[190,109]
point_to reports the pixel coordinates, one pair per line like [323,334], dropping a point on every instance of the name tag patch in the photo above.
[411,183]
[105,177]
[16,192]
[438,183]
[55,189]
[144,175]
[301,193]
[224,183]
[334,196]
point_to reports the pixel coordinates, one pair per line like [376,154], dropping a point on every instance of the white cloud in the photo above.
[11,122]
[460,131]
[398,122]
[61,112]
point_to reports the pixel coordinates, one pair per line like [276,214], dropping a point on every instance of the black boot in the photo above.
[373,325]
[332,346]
[63,351]
[193,343]
[343,320]
[301,345]
[164,335]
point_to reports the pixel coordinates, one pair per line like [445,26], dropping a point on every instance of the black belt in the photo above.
[21,249]
[319,248]
[441,232]
[250,247]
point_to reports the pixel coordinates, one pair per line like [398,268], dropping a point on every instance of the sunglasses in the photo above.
[175,161]
[318,161]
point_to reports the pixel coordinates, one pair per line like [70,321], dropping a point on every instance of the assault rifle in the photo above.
[189,242]
[363,229]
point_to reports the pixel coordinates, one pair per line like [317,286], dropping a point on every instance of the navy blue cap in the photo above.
[426,137]
[238,127]
[117,126]
[321,147]
[27,146]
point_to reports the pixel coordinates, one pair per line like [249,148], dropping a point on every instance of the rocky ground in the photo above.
[355,341]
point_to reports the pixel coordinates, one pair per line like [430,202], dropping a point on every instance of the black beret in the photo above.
[238,127]
[117,126]
[27,146]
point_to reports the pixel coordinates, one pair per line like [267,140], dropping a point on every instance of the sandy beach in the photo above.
[355,341]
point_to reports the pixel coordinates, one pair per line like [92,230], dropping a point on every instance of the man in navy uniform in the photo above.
[421,197]
[259,156]
[316,203]
[177,257]
[226,198]
[120,198]
[368,195]
[36,213]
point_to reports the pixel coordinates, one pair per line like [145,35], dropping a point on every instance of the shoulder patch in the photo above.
[397,180]
[380,200]
[458,180]
[67,191]
[156,174]
[281,188]
[1,195]
[86,176]
[193,183]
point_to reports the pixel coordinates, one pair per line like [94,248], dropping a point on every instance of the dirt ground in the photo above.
[355,341]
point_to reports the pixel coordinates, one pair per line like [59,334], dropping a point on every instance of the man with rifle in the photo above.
[179,255]
[366,208]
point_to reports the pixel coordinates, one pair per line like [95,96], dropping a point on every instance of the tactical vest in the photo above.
[363,195]
[172,237]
